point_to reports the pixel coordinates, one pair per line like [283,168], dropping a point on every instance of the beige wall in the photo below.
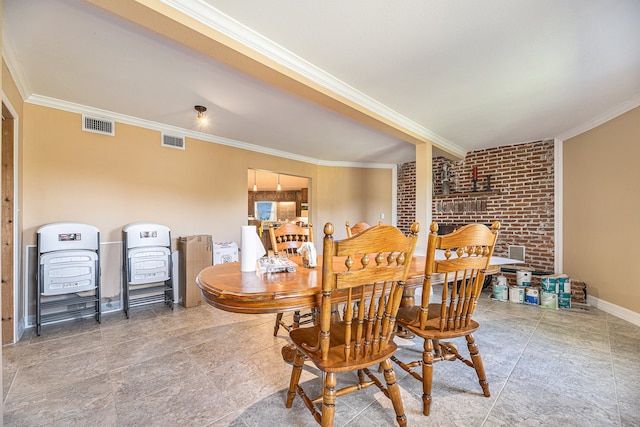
[71,175]
[601,205]
[372,187]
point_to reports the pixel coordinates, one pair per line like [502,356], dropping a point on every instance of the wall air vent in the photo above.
[97,125]
[173,141]
[516,252]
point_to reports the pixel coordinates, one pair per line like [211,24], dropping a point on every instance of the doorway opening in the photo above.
[275,198]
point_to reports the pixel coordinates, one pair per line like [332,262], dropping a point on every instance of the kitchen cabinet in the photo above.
[273,196]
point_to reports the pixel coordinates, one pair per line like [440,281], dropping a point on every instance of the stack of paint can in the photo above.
[556,291]
[523,292]
[500,288]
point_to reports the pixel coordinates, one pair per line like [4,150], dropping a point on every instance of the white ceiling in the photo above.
[465,74]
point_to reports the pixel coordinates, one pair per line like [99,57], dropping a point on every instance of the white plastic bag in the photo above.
[309,255]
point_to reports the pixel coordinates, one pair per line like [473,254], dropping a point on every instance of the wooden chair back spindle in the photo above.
[366,273]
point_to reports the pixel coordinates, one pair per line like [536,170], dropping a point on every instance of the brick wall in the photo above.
[522,177]
[406,214]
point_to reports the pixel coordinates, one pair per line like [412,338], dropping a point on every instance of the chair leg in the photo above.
[437,350]
[394,392]
[328,399]
[277,325]
[296,371]
[279,322]
[427,375]
[477,364]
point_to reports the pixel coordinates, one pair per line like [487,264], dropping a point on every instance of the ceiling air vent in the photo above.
[96,125]
[516,252]
[173,141]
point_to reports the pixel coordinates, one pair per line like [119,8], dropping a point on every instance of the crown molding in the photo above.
[71,107]
[11,58]
[626,106]
[208,15]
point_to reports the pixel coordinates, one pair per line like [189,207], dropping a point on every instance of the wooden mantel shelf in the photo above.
[467,194]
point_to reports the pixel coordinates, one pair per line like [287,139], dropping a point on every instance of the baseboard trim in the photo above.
[615,310]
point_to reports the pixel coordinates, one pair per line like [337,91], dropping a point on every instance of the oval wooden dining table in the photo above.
[226,287]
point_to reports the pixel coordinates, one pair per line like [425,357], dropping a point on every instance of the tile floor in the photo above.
[206,367]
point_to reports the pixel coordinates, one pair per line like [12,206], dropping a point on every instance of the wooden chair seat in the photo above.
[431,329]
[468,253]
[375,265]
[335,361]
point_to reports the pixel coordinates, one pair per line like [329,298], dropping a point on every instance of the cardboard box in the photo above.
[196,254]
[225,252]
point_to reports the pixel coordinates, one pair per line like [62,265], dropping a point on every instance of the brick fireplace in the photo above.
[521,197]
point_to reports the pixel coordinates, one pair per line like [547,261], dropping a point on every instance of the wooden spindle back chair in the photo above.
[357,228]
[285,242]
[467,254]
[367,273]
[288,238]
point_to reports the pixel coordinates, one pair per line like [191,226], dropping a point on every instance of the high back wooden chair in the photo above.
[286,239]
[467,254]
[285,242]
[367,274]
[357,228]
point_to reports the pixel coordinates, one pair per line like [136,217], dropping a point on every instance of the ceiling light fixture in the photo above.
[255,185]
[278,187]
[201,113]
